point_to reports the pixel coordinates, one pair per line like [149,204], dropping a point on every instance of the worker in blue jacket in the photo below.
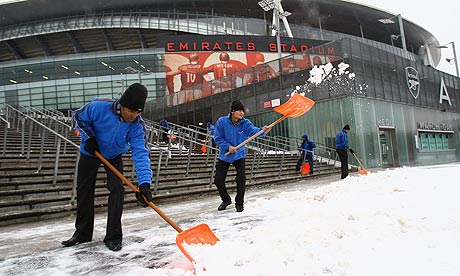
[211,129]
[306,153]
[165,127]
[230,131]
[341,146]
[110,127]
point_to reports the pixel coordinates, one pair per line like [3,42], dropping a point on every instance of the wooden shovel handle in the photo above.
[357,159]
[135,189]
[257,134]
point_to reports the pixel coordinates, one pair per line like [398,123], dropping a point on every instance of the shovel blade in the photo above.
[199,234]
[296,106]
[363,172]
[305,168]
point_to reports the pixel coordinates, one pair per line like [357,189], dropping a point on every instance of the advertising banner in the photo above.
[199,66]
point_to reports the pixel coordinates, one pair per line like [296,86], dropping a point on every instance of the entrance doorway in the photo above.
[388,148]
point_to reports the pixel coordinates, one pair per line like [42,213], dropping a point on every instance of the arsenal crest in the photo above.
[413,81]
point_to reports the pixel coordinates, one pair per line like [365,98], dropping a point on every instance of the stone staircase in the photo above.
[27,194]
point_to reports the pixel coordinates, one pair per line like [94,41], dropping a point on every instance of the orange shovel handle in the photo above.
[135,189]
[257,134]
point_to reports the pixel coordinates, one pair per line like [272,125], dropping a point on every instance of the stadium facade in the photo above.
[195,57]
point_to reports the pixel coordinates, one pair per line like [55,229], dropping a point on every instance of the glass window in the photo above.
[424,143]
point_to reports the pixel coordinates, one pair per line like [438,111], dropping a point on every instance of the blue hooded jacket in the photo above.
[164,125]
[341,140]
[211,129]
[307,147]
[227,134]
[102,120]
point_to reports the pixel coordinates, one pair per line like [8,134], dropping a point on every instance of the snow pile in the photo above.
[395,222]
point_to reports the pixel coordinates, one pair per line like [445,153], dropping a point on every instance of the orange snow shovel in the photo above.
[199,234]
[204,148]
[305,169]
[363,171]
[296,106]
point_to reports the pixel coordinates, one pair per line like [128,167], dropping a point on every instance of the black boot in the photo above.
[239,207]
[223,206]
[74,240]
[113,245]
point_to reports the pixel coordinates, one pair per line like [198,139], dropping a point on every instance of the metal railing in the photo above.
[5,132]
[24,119]
[188,141]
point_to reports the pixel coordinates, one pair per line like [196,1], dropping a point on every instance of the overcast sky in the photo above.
[438,17]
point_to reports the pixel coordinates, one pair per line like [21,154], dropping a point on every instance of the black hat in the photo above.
[347,127]
[305,136]
[237,105]
[134,97]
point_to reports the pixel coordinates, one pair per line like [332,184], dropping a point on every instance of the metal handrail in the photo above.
[49,116]
[5,133]
[45,128]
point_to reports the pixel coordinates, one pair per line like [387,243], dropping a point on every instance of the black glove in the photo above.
[352,151]
[144,191]
[91,145]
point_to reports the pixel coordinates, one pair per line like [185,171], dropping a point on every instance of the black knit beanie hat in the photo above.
[347,127]
[134,97]
[237,105]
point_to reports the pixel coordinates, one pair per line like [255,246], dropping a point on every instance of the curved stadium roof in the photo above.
[338,16]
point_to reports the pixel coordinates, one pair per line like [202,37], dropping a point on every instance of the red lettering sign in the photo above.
[216,47]
[183,46]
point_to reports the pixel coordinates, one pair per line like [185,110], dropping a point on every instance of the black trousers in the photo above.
[221,173]
[86,185]
[343,155]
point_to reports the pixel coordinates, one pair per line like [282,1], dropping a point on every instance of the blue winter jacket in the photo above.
[164,125]
[211,129]
[341,140]
[227,134]
[102,120]
[307,147]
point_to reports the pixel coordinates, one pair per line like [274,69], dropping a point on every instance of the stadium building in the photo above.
[196,56]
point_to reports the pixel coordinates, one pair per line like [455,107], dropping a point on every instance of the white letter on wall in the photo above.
[443,95]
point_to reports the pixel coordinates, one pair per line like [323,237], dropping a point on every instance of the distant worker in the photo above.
[164,125]
[306,153]
[341,146]
[211,130]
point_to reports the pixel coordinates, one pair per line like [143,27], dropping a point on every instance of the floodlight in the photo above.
[401,27]
[386,21]
[451,59]
[267,5]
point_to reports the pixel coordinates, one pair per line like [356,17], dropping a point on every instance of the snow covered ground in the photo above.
[403,221]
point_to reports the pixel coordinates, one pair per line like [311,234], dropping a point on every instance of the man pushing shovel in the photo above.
[230,131]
